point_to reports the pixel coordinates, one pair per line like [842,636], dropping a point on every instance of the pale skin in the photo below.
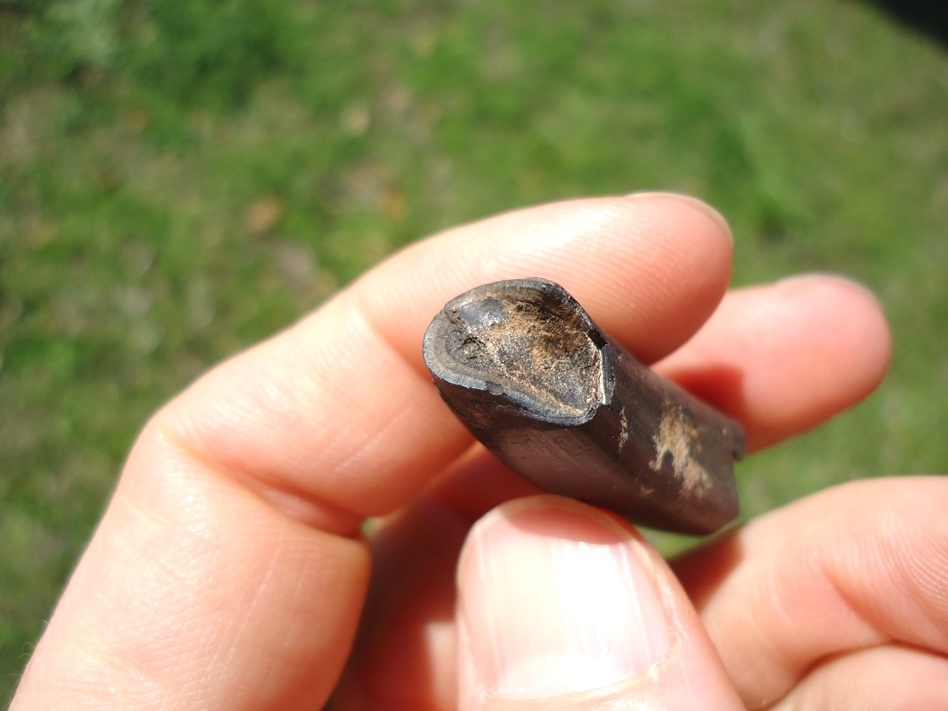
[231,568]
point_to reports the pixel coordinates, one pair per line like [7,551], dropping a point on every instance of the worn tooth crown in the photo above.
[531,375]
[530,346]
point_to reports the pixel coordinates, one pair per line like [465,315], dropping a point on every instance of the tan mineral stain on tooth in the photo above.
[624,432]
[676,436]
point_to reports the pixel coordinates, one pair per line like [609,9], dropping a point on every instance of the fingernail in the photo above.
[694,202]
[556,598]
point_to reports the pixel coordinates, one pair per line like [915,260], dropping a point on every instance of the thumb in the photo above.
[564,606]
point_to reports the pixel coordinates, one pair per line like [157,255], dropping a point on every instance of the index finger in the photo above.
[228,571]
[337,415]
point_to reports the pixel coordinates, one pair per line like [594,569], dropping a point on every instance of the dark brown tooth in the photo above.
[524,367]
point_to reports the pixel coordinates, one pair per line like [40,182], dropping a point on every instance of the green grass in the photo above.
[178,180]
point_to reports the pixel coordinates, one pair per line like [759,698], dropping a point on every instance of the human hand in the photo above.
[230,572]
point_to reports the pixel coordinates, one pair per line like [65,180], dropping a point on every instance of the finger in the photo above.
[404,653]
[653,268]
[875,679]
[773,339]
[481,483]
[784,357]
[856,566]
[228,571]
[562,605]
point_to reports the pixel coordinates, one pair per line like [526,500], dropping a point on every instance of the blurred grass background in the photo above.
[178,180]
